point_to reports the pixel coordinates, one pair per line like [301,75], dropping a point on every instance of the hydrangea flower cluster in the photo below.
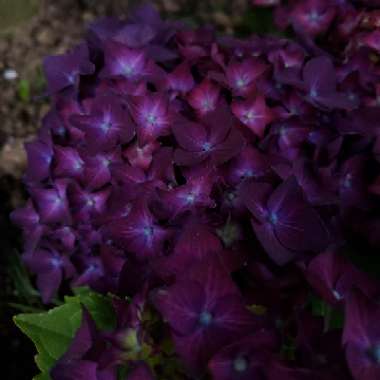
[218,185]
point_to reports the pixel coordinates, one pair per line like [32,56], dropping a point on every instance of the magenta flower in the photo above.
[204,97]
[162,143]
[361,337]
[120,60]
[40,155]
[51,268]
[194,195]
[334,277]
[246,359]
[52,205]
[320,84]
[241,76]
[152,116]
[139,233]
[254,113]
[284,222]
[68,162]
[312,16]
[213,139]
[64,71]
[107,124]
[180,80]
[205,312]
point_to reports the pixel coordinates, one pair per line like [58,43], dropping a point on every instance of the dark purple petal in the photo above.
[64,70]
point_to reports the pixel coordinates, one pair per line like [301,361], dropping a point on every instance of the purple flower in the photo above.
[63,71]
[68,162]
[250,163]
[312,16]
[204,97]
[81,360]
[50,268]
[98,169]
[194,195]
[283,221]
[320,84]
[180,80]
[141,156]
[120,60]
[195,243]
[40,156]
[139,233]
[107,124]
[86,204]
[205,312]
[241,76]
[333,276]
[361,337]
[52,205]
[246,359]
[152,116]
[254,113]
[214,139]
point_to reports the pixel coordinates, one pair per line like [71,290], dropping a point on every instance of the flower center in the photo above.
[374,352]
[56,262]
[313,93]
[106,126]
[241,82]
[206,104]
[128,70]
[250,115]
[205,318]
[314,16]
[337,295]
[273,218]
[240,364]
[347,182]
[151,119]
[206,147]
[148,231]
[190,198]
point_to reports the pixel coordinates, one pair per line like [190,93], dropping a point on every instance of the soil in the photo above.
[56,27]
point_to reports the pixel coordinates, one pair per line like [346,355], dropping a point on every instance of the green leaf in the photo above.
[42,376]
[24,90]
[99,306]
[51,332]
[333,318]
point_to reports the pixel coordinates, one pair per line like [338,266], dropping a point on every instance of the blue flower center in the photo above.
[206,104]
[314,16]
[148,231]
[151,118]
[106,126]
[347,182]
[56,262]
[241,82]
[375,353]
[128,69]
[313,93]
[206,147]
[240,364]
[273,218]
[190,198]
[205,318]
